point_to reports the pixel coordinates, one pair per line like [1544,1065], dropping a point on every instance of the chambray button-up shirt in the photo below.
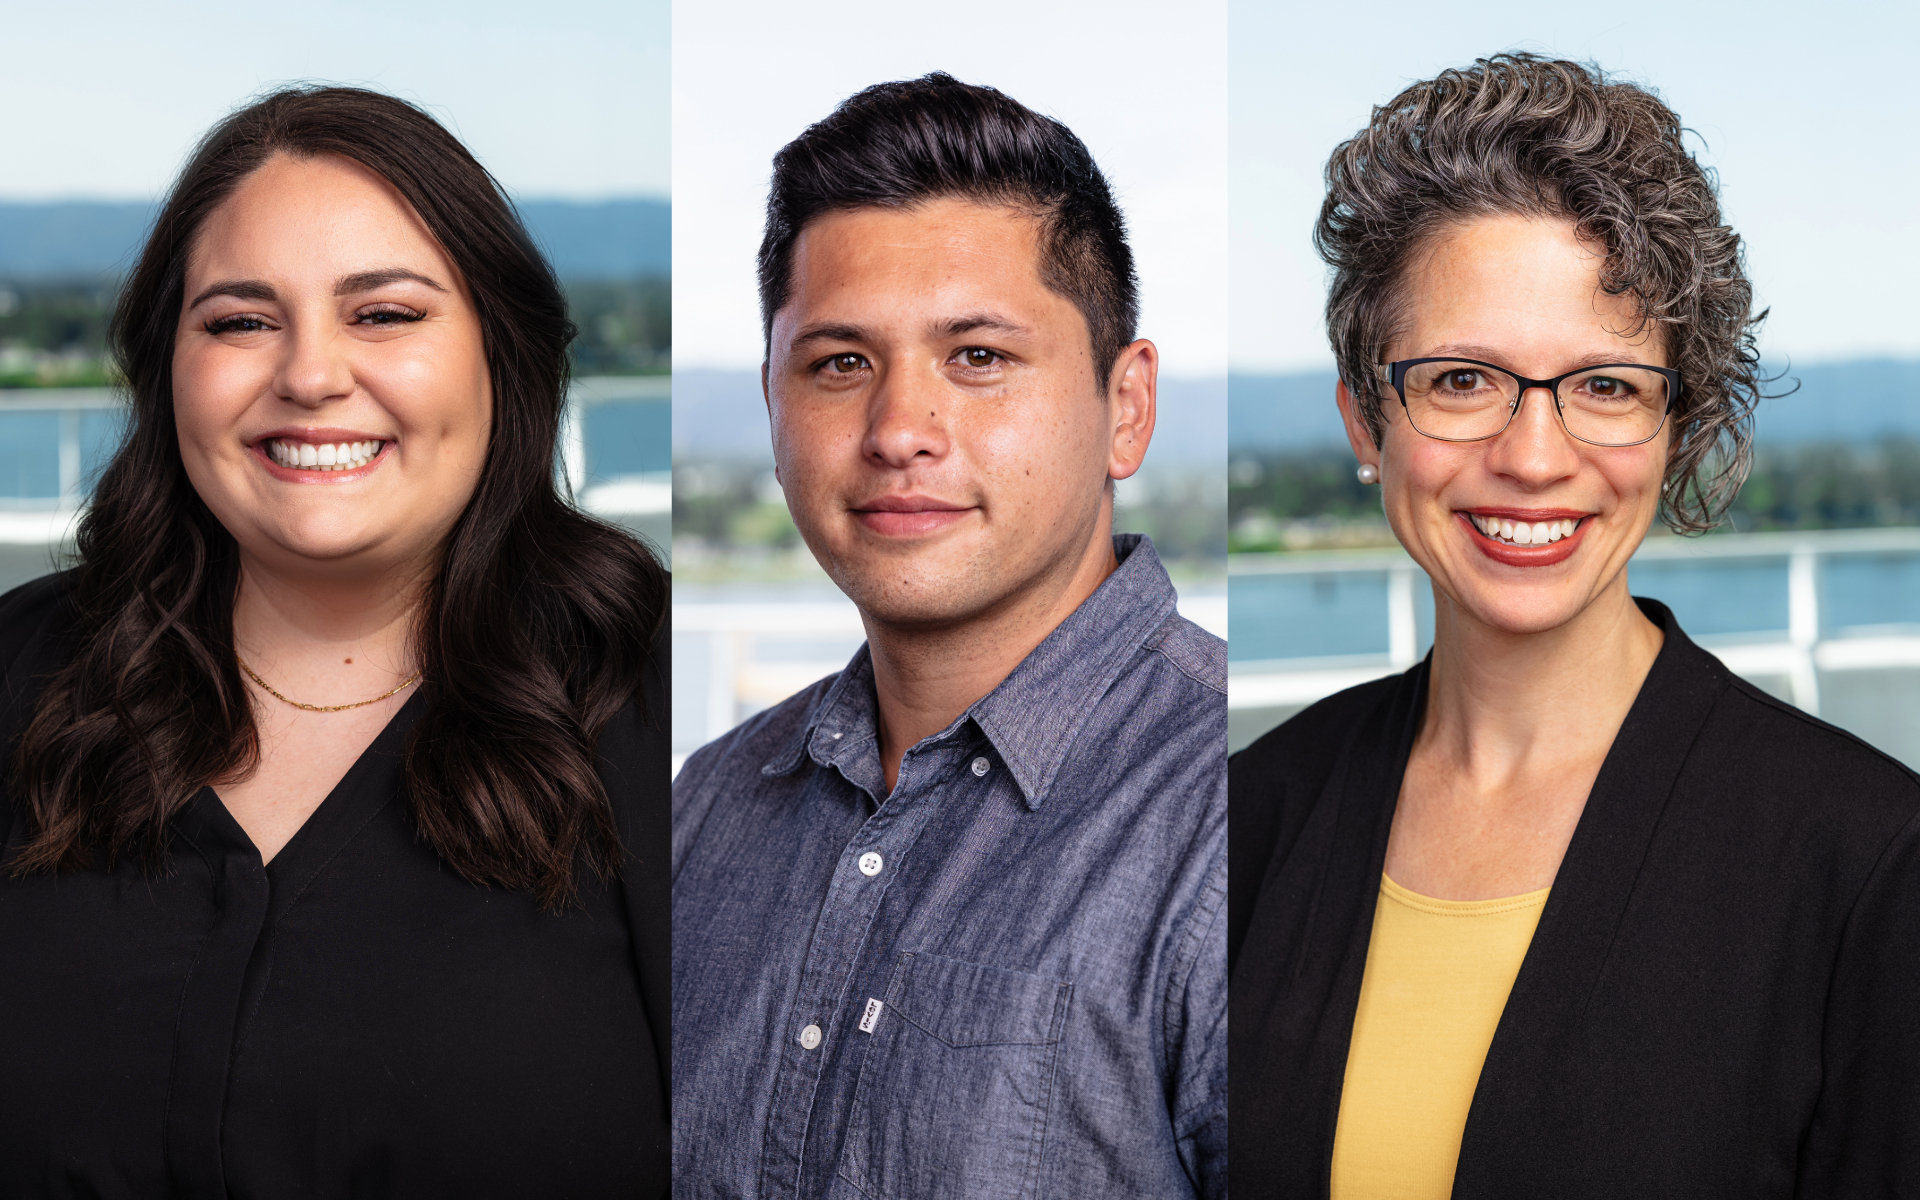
[1005,978]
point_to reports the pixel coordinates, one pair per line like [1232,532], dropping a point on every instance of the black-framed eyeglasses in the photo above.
[1461,400]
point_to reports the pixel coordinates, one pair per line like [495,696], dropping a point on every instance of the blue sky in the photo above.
[1807,111]
[105,97]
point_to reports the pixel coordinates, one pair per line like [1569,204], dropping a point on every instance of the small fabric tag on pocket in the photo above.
[871,1017]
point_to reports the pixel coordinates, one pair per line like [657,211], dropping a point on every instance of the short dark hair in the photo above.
[537,625]
[1522,134]
[896,145]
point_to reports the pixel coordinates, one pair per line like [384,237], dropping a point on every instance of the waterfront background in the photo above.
[579,139]
[755,618]
[1812,589]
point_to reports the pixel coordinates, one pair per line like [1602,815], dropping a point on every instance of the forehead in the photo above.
[1530,282]
[939,252]
[325,216]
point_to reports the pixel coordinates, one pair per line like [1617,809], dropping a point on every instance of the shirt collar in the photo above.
[1034,716]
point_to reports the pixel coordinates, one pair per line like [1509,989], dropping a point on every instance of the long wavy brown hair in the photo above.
[1522,134]
[535,629]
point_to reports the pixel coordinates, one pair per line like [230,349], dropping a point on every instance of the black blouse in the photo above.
[1722,997]
[353,1019]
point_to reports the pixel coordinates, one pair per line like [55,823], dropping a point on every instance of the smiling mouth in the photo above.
[322,456]
[1509,532]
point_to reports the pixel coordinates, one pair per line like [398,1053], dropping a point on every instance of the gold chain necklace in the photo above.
[404,685]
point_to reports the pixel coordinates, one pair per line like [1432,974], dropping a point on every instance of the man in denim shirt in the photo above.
[951,923]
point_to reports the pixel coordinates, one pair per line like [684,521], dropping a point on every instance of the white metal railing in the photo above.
[1797,654]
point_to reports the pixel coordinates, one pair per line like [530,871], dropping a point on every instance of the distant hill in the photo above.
[1856,402]
[721,415]
[584,239]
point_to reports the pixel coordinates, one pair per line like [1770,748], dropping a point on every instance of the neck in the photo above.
[925,676]
[331,628]
[1501,701]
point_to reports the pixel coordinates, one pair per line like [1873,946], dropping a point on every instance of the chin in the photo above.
[318,541]
[921,598]
[1522,611]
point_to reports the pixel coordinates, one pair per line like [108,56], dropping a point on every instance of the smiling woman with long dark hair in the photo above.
[336,806]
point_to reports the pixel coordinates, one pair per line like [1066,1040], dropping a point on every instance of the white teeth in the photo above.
[1524,533]
[337,456]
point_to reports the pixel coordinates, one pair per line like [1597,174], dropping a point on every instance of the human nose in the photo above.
[315,368]
[1535,449]
[905,424]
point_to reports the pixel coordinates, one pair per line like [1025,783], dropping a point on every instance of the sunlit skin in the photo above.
[1537,658]
[318,308]
[945,442]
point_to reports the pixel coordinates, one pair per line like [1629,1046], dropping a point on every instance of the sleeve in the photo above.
[1200,1067]
[1864,1139]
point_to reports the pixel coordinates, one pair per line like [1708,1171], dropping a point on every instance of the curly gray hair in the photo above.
[1521,134]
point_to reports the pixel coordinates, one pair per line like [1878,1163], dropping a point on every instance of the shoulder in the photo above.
[1776,757]
[1273,784]
[1192,651]
[743,754]
[28,614]
[1302,751]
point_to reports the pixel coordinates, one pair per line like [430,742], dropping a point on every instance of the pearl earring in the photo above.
[1368,473]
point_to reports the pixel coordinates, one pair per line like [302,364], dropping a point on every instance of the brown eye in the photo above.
[847,364]
[1463,381]
[1600,385]
[974,356]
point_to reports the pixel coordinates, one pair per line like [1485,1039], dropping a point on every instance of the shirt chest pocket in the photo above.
[954,1091]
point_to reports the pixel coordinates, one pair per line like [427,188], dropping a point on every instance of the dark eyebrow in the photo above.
[828,333]
[974,322]
[366,281]
[239,289]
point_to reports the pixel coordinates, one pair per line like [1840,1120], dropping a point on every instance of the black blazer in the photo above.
[1723,994]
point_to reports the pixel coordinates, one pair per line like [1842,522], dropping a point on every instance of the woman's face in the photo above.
[329,378]
[1523,294]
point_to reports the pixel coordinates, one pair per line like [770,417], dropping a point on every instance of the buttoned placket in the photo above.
[821,1011]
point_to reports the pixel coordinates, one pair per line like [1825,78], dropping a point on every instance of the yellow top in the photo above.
[1438,973]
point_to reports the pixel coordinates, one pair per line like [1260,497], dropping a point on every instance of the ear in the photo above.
[1358,435]
[1130,400]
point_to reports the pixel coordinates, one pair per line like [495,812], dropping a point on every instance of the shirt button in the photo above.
[810,1037]
[981,766]
[871,863]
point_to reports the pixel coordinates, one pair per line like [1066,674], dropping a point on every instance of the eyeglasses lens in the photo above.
[1608,406]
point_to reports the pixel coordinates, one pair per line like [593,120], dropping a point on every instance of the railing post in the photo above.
[70,458]
[1403,634]
[573,443]
[723,660]
[1803,625]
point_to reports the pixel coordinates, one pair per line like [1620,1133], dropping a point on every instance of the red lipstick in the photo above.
[1526,556]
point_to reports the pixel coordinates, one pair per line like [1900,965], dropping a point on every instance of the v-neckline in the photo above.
[361,792]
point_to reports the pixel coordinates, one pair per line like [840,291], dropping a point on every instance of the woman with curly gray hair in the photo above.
[1568,909]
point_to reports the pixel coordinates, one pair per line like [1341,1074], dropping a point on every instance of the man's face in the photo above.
[939,426]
